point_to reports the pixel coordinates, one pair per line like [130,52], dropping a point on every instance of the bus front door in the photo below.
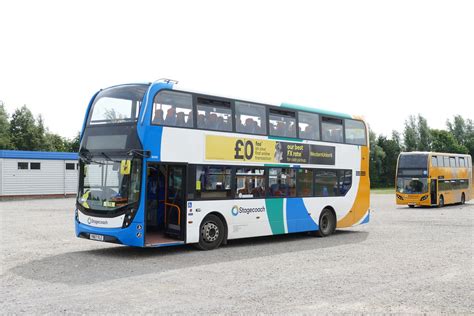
[174,202]
[434,192]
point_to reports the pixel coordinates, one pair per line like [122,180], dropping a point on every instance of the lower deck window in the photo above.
[213,181]
[225,182]
[326,183]
[304,182]
[282,182]
[250,183]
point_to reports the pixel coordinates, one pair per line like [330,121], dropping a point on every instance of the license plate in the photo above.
[96,237]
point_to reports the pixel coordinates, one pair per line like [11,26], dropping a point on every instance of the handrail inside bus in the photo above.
[173,205]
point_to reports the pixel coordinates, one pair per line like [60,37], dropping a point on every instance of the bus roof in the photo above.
[430,153]
[314,110]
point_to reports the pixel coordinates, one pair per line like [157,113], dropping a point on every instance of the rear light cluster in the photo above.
[399,197]
[424,197]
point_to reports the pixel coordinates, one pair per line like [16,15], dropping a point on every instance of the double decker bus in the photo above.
[161,166]
[433,179]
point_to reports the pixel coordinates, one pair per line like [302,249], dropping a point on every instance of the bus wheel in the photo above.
[441,201]
[463,198]
[411,206]
[211,233]
[327,223]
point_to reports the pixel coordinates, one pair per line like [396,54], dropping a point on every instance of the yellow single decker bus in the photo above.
[433,179]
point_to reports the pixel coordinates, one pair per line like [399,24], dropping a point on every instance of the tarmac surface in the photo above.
[404,261]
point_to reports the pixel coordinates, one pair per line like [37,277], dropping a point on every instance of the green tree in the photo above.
[410,135]
[377,155]
[72,145]
[5,141]
[40,141]
[444,141]
[391,148]
[463,132]
[54,142]
[424,134]
[23,131]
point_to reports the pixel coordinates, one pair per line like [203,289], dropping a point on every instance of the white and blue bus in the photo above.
[161,166]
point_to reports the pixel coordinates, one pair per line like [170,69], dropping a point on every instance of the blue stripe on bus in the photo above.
[297,217]
[366,219]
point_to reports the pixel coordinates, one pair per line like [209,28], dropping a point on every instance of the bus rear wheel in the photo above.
[211,233]
[441,201]
[463,198]
[411,206]
[327,223]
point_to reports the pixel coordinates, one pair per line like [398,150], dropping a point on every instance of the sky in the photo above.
[383,60]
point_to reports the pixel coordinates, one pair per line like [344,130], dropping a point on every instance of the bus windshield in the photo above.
[412,185]
[118,104]
[107,184]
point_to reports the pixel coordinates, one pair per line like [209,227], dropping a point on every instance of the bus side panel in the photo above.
[244,218]
[360,208]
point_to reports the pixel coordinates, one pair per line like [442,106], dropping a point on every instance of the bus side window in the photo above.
[434,161]
[440,161]
[355,132]
[452,162]
[461,162]
[173,109]
[446,161]
[250,118]
[250,183]
[332,130]
[308,125]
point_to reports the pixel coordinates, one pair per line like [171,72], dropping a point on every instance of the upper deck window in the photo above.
[117,105]
[440,161]
[452,162]
[250,118]
[462,162]
[308,125]
[214,115]
[173,109]
[446,161]
[282,123]
[434,161]
[332,130]
[355,132]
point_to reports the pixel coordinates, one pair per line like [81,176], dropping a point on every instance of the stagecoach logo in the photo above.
[247,210]
[91,220]
[235,210]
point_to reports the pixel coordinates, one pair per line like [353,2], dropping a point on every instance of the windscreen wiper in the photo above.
[108,157]
[140,153]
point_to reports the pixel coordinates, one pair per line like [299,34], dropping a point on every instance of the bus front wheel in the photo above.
[441,201]
[211,233]
[327,223]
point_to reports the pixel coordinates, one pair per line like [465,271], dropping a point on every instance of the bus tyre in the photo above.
[441,201]
[463,198]
[411,206]
[327,223]
[211,233]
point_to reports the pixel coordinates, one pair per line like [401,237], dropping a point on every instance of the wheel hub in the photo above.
[210,232]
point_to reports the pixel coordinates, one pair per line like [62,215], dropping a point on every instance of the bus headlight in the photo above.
[424,197]
[399,197]
[129,215]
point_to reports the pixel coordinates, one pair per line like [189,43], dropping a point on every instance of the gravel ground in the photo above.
[404,261]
